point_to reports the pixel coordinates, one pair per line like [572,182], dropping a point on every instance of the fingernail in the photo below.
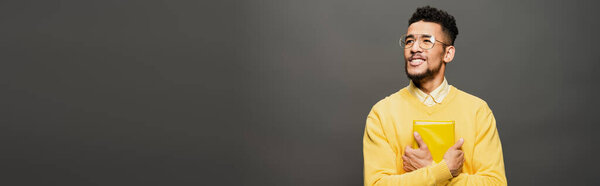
[461,140]
[416,133]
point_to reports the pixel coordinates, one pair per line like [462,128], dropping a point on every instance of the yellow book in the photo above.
[438,135]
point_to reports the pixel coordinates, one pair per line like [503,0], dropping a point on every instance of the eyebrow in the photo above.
[412,36]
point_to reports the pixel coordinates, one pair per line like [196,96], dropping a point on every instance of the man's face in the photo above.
[423,63]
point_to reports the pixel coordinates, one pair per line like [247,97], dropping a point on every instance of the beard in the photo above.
[428,74]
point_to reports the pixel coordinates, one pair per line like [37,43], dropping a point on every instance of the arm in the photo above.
[488,162]
[380,161]
[414,159]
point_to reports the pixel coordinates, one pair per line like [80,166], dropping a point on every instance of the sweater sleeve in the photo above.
[488,162]
[380,161]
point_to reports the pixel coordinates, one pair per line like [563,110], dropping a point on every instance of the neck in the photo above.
[427,85]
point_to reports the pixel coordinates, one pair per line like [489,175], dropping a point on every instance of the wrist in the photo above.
[453,170]
[441,171]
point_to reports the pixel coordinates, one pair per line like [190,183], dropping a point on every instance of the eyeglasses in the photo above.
[426,41]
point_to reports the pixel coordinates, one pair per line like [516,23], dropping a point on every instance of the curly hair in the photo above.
[430,14]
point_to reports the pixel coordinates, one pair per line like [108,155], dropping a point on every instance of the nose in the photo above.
[415,47]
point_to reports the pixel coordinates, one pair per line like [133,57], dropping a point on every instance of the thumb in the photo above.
[458,144]
[420,140]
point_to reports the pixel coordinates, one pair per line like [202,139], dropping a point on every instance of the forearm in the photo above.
[478,179]
[431,175]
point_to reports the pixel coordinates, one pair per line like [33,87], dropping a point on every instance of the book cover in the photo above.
[438,135]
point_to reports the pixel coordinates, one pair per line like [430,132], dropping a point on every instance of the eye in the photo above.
[409,41]
[427,41]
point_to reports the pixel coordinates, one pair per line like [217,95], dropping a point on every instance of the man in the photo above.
[475,158]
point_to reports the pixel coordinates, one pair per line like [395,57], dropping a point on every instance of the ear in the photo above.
[449,55]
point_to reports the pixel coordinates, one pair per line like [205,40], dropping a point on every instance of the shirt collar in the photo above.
[436,96]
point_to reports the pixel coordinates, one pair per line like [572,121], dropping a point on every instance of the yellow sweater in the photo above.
[389,130]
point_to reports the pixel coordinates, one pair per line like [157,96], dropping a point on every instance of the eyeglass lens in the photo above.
[425,41]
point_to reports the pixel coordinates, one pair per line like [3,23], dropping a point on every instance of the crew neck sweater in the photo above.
[389,130]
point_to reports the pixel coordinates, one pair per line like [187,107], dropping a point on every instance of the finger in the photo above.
[458,144]
[410,154]
[406,163]
[420,141]
[410,167]
[407,149]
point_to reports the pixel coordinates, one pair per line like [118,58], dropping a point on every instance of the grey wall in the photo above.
[275,92]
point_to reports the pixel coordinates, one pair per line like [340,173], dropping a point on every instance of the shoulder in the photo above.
[388,101]
[469,99]
[474,104]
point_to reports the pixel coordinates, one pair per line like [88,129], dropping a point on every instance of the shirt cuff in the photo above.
[441,172]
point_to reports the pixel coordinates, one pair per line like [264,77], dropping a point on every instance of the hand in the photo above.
[414,159]
[455,157]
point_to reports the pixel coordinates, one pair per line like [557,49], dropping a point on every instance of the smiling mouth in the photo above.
[416,62]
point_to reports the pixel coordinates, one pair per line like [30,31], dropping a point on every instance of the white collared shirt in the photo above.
[436,96]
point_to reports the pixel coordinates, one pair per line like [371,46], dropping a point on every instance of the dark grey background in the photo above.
[275,92]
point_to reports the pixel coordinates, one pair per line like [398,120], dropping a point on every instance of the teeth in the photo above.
[417,62]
